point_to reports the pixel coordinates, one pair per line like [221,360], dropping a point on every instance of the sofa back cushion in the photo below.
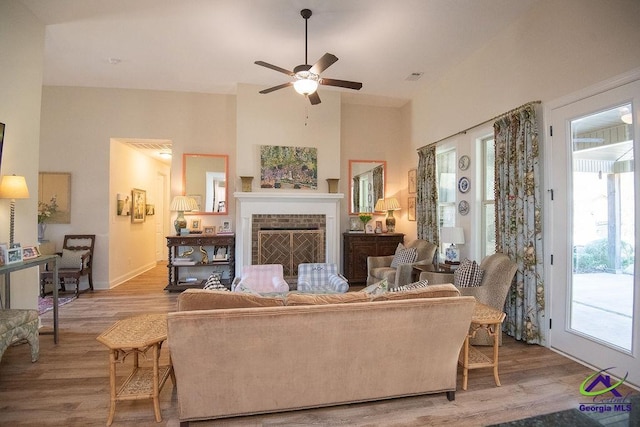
[431,291]
[201,299]
[295,298]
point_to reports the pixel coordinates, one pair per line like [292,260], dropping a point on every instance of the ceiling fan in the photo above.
[306,78]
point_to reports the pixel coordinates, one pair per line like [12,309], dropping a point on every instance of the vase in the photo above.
[333,184]
[42,227]
[246,183]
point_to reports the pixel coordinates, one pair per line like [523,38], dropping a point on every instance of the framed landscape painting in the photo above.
[288,167]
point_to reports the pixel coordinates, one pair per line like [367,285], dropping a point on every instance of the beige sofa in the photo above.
[303,351]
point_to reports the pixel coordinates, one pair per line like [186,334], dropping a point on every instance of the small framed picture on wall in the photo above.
[412,181]
[411,213]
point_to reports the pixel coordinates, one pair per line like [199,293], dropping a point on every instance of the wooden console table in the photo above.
[195,241]
[7,269]
[359,246]
[484,317]
[135,336]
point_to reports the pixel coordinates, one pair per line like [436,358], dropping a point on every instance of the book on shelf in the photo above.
[183,261]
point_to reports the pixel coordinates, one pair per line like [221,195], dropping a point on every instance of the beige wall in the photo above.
[557,48]
[288,119]
[78,126]
[22,47]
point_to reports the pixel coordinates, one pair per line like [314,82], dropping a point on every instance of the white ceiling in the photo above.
[209,46]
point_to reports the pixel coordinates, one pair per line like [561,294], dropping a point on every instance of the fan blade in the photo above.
[271,89]
[323,63]
[341,83]
[274,67]
[314,98]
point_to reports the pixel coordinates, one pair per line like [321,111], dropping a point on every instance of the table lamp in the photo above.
[182,204]
[388,205]
[13,187]
[455,236]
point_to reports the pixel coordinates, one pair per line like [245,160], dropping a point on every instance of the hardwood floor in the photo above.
[69,385]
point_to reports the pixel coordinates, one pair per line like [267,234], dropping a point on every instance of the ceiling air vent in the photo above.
[414,76]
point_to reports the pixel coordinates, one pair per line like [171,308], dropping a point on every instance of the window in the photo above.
[488,225]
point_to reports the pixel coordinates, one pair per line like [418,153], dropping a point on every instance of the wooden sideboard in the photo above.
[209,243]
[359,246]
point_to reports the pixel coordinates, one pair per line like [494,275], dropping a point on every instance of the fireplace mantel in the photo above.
[286,203]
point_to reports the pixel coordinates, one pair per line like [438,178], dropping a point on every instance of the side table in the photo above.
[435,275]
[484,317]
[135,336]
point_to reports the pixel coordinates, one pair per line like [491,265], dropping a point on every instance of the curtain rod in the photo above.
[462,132]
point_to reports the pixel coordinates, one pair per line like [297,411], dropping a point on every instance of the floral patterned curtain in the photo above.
[519,220]
[378,184]
[427,195]
[356,194]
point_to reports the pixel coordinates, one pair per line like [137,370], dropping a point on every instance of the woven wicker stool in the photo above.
[137,335]
[18,324]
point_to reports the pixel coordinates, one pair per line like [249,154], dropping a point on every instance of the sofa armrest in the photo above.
[280,285]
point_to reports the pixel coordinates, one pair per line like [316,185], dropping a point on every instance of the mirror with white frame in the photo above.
[366,184]
[204,178]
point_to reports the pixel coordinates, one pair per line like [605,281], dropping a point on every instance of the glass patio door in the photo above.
[594,289]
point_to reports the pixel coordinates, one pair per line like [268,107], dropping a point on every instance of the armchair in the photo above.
[379,268]
[75,262]
[499,272]
[261,278]
[321,278]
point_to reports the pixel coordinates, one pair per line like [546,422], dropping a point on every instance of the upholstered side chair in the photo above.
[76,262]
[321,278]
[498,273]
[379,268]
[261,278]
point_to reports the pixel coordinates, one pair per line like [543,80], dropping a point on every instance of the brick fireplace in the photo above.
[308,222]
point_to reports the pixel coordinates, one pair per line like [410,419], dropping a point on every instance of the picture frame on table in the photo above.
[355,225]
[139,205]
[369,229]
[209,229]
[13,255]
[3,255]
[196,224]
[225,228]
[30,252]
[412,183]
[378,227]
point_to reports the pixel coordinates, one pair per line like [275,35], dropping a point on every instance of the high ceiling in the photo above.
[210,46]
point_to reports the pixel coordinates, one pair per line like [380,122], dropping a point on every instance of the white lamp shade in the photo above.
[183,203]
[13,187]
[453,235]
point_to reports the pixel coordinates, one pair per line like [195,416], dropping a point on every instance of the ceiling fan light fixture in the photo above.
[306,83]
[627,118]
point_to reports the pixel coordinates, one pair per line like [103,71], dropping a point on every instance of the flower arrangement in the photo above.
[46,210]
[365,218]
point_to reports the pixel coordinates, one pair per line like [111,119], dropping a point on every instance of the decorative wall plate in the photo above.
[464,162]
[463,207]
[464,184]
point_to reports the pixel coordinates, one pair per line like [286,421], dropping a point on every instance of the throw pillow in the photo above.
[467,274]
[431,291]
[414,285]
[71,258]
[404,256]
[377,288]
